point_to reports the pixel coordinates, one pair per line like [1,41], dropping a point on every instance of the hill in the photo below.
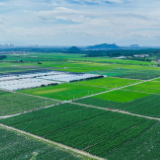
[103,46]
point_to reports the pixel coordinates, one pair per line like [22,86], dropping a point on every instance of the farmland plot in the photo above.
[14,146]
[12,103]
[147,87]
[64,91]
[112,99]
[109,82]
[95,131]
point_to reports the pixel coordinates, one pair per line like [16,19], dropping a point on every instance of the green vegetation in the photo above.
[12,103]
[98,102]
[11,69]
[121,96]
[109,82]
[118,96]
[129,73]
[147,87]
[92,130]
[64,91]
[144,146]
[16,146]
[148,106]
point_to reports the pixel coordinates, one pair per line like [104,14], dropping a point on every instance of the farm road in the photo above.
[59,145]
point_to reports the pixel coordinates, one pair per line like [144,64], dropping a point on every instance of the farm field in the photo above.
[147,87]
[113,99]
[16,146]
[77,57]
[109,82]
[147,105]
[129,73]
[64,91]
[144,146]
[13,103]
[111,130]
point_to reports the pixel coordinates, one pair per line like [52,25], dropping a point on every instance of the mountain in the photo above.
[74,49]
[134,46]
[104,46]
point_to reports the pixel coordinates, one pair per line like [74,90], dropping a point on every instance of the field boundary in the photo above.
[62,146]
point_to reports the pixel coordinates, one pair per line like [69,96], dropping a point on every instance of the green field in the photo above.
[148,105]
[147,87]
[76,57]
[129,73]
[95,131]
[113,99]
[64,91]
[18,147]
[12,103]
[143,147]
[121,96]
[109,82]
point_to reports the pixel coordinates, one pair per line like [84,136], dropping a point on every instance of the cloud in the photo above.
[79,21]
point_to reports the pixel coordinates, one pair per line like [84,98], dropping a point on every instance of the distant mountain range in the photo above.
[103,46]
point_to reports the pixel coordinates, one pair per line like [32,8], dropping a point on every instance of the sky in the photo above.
[80,22]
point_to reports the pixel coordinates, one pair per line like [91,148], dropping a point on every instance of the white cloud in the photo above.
[46,21]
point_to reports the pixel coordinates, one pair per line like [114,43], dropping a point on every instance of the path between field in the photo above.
[62,146]
[116,110]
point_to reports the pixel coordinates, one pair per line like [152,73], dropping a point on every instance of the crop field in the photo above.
[64,91]
[144,146]
[129,73]
[147,87]
[12,103]
[10,69]
[76,57]
[16,146]
[144,104]
[113,99]
[92,130]
[108,82]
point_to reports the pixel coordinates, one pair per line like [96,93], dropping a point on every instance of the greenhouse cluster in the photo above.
[19,84]
[70,77]
[24,80]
